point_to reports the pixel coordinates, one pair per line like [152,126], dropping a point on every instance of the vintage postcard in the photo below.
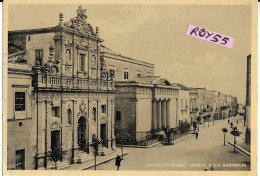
[123,87]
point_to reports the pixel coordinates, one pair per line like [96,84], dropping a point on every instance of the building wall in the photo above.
[38,41]
[20,124]
[125,103]
[121,64]
[184,106]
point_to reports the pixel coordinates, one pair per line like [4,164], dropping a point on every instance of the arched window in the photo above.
[69,116]
[94,114]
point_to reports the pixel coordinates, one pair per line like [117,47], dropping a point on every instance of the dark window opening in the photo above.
[112,73]
[39,56]
[103,108]
[55,112]
[19,101]
[139,75]
[118,115]
[82,62]
[125,75]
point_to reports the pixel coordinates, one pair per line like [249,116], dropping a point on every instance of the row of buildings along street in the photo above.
[67,91]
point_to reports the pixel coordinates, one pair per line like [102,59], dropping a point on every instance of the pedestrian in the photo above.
[237,121]
[228,121]
[231,124]
[197,135]
[211,168]
[118,161]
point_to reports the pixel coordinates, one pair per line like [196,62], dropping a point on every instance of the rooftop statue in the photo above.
[81,13]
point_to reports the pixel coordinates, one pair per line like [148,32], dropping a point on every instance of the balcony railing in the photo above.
[49,81]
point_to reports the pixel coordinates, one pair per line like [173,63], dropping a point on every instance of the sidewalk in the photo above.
[100,159]
[240,140]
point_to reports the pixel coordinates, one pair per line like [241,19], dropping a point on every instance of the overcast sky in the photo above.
[157,34]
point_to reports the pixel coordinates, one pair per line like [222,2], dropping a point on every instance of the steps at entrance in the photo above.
[106,150]
[60,165]
[84,156]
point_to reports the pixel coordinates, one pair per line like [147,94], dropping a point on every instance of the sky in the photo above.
[157,34]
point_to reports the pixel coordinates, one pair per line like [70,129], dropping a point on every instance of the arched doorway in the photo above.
[83,134]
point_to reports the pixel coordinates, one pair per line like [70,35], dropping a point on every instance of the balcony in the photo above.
[50,81]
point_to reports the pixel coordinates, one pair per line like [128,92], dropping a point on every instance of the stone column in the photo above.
[163,114]
[168,113]
[154,119]
[75,122]
[159,124]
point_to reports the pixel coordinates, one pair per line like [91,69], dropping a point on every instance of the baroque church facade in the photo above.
[60,95]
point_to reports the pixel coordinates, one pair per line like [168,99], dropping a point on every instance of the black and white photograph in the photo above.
[129,86]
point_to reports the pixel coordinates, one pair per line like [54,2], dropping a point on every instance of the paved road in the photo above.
[187,154]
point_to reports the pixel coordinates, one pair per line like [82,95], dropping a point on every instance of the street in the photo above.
[189,153]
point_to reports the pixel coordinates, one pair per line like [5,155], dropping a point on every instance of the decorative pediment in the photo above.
[162,81]
[79,23]
[82,109]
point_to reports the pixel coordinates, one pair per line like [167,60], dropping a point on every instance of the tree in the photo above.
[55,155]
[225,130]
[198,120]
[208,116]
[235,132]
[204,119]
[122,137]
[95,144]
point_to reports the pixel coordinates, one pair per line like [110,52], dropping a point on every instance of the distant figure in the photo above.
[118,161]
[228,121]
[231,124]
[237,121]
[197,135]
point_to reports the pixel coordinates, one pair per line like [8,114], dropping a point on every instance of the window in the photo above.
[55,112]
[39,56]
[103,108]
[69,116]
[118,115]
[139,75]
[29,38]
[112,73]
[19,101]
[20,159]
[125,75]
[82,62]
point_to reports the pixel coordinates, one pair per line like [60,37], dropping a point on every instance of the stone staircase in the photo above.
[105,150]
[83,156]
[60,165]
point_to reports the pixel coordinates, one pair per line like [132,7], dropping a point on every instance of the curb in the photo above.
[240,149]
[104,161]
[139,146]
[136,146]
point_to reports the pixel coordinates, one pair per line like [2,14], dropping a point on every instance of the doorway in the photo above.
[83,134]
[55,140]
[20,159]
[103,128]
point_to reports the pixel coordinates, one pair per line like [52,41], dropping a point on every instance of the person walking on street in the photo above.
[228,121]
[197,135]
[231,124]
[118,161]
